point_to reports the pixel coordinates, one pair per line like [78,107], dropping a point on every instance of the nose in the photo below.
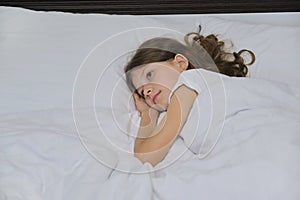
[147,91]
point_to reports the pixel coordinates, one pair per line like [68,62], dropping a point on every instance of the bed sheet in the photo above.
[62,87]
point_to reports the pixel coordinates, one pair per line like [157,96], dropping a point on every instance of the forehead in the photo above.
[138,75]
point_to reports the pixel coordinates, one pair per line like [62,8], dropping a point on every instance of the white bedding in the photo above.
[55,66]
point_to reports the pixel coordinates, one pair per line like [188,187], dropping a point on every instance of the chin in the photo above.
[160,108]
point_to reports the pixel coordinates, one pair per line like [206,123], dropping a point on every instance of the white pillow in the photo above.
[42,51]
[277,48]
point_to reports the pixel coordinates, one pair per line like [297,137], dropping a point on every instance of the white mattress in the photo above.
[67,119]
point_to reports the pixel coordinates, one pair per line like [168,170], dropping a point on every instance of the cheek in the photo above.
[164,100]
[171,84]
[168,81]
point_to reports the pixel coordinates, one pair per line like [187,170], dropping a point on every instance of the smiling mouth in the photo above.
[154,99]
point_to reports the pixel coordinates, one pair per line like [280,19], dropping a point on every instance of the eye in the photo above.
[149,74]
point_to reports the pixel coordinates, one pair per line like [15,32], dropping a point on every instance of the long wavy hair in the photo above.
[202,52]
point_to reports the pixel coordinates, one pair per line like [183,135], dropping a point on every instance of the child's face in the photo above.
[155,81]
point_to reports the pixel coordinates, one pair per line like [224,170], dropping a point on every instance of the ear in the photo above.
[182,61]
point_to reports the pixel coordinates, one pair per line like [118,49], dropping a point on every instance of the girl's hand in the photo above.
[141,104]
[143,107]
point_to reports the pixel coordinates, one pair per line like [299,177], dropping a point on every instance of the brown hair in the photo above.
[202,52]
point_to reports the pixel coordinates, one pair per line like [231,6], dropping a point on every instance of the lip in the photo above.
[154,99]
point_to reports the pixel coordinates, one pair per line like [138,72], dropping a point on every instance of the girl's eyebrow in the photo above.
[143,72]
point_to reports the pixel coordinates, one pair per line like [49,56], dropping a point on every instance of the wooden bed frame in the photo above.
[151,7]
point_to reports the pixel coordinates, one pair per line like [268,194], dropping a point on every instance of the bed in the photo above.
[68,121]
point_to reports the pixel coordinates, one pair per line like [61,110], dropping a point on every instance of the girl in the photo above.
[152,74]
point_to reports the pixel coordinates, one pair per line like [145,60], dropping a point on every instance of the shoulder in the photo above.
[191,80]
[183,97]
[185,91]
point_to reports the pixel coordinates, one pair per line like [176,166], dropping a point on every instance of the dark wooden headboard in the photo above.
[150,7]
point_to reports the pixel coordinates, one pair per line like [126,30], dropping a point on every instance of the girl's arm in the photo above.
[148,116]
[154,148]
[148,123]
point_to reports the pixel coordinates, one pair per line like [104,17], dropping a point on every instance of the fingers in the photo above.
[136,96]
[140,103]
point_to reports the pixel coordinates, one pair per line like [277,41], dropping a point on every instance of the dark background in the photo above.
[149,7]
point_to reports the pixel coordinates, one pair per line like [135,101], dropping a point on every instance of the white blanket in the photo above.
[229,103]
[257,157]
